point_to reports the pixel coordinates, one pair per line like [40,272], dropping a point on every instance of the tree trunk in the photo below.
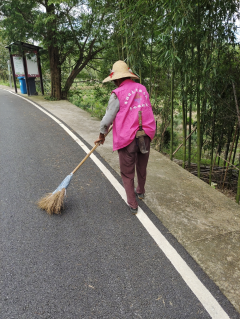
[172,108]
[235,149]
[219,150]
[229,159]
[203,121]
[184,125]
[68,84]
[198,99]
[53,53]
[238,186]
[77,69]
[190,113]
[230,132]
[238,116]
[212,148]
[189,130]
[55,71]
[151,62]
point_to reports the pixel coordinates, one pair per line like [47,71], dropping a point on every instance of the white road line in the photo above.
[201,292]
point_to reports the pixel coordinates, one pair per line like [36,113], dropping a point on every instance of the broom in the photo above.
[52,203]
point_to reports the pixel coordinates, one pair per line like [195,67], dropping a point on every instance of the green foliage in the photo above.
[77,93]
[101,94]
[50,98]
[72,32]
[92,99]
[4,57]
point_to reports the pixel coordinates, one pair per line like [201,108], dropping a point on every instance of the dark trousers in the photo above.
[130,158]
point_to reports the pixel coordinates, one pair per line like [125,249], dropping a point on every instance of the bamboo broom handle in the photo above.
[92,150]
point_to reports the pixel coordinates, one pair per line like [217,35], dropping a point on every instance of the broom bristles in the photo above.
[52,203]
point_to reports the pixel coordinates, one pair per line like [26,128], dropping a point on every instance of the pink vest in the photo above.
[133,97]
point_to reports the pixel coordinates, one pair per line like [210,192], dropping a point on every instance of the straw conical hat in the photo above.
[120,70]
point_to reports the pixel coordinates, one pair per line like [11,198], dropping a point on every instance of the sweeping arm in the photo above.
[92,150]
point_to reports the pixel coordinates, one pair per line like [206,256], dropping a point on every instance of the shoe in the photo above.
[140,196]
[133,210]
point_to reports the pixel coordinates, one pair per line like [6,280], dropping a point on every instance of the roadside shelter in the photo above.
[25,62]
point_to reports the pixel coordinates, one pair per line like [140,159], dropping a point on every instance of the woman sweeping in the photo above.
[130,111]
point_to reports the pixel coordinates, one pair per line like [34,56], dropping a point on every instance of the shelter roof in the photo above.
[24,45]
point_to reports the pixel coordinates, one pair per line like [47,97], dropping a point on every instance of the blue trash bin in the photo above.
[23,86]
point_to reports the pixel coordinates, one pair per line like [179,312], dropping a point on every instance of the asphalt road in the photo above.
[95,260]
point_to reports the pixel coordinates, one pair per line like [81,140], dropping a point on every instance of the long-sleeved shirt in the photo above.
[111,112]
